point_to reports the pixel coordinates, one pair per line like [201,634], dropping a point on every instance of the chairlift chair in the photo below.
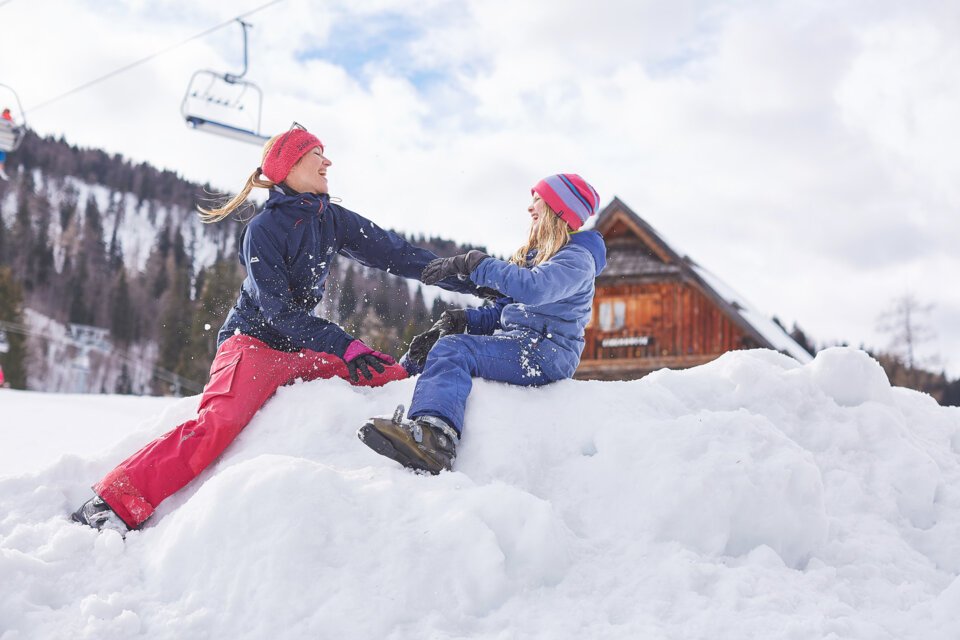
[224,103]
[11,132]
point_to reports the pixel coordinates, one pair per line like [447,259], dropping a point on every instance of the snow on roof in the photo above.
[766,327]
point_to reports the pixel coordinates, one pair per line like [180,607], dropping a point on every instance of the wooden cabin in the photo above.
[655,309]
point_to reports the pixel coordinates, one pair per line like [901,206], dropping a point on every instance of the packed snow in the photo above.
[752,497]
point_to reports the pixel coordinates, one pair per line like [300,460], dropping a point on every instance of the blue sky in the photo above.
[383,41]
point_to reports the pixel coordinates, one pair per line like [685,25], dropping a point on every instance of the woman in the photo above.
[271,335]
[548,289]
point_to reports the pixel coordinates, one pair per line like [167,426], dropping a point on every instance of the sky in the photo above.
[806,153]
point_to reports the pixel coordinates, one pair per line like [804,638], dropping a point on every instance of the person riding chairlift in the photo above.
[6,115]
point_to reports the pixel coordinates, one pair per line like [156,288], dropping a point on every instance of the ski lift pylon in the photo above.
[11,131]
[224,103]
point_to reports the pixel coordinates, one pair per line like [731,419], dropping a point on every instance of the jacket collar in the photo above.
[282,195]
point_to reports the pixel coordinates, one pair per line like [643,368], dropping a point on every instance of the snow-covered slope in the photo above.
[137,223]
[748,498]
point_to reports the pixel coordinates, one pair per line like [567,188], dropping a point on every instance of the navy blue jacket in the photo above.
[287,249]
[553,299]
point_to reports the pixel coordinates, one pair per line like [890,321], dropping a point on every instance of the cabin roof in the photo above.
[636,250]
[631,260]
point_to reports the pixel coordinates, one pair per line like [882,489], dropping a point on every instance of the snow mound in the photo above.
[752,497]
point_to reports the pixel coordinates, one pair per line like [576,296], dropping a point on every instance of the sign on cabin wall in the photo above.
[629,341]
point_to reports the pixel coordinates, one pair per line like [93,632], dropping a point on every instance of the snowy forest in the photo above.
[110,283]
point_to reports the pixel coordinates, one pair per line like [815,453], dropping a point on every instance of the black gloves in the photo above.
[363,364]
[461,265]
[452,321]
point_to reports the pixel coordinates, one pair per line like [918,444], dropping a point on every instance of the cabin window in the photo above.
[613,315]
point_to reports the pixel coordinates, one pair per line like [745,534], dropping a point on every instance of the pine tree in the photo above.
[123,322]
[93,226]
[13,360]
[40,262]
[41,258]
[114,251]
[21,239]
[4,254]
[419,316]
[68,209]
[176,312]
[384,296]
[438,307]
[216,298]
[79,311]
[348,296]
[418,322]
[410,331]
[124,385]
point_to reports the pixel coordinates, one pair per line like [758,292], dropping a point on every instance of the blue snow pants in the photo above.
[516,357]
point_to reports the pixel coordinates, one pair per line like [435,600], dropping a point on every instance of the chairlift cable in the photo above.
[150,57]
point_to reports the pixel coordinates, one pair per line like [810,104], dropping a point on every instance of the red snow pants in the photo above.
[243,376]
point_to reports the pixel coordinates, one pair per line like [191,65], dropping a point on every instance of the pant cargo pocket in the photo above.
[221,379]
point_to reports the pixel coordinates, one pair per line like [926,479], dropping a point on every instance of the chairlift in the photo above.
[11,131]
[224,103]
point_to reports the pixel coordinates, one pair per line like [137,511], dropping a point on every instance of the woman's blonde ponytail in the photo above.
[255,179]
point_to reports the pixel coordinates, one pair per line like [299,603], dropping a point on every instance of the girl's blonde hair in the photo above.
[217,214]
[547,236]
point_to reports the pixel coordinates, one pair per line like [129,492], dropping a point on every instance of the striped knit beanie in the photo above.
[570,196]
[285,152]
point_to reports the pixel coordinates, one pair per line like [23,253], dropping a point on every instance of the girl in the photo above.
[271,336]
[548,289]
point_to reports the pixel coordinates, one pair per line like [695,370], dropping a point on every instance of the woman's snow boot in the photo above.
[97,514]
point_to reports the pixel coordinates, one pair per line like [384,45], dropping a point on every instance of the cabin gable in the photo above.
[652,308]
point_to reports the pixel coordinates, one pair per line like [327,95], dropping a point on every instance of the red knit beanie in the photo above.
[285,152]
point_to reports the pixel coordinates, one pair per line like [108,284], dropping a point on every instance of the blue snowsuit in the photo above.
[542,319]
[287,249]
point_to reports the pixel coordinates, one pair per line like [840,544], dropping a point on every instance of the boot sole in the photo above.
[370,436]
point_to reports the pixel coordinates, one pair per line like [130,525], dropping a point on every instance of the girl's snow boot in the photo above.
[425,444]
